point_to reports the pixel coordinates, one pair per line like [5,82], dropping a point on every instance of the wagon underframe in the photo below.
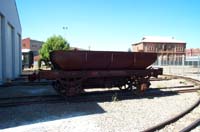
[70,83]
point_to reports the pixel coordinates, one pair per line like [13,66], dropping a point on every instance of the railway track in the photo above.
[191,126]
[93,96]
[179,89]
[28,100]
[86,97]
[173,119]
[182,115]
[100,96]
[24,82]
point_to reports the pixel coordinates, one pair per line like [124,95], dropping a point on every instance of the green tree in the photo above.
[52,43]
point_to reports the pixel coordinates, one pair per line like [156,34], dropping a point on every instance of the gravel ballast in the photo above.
[117,116]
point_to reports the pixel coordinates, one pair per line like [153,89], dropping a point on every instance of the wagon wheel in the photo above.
[73,86]
[59,88]
[143,86]
[141,83]
[68,87]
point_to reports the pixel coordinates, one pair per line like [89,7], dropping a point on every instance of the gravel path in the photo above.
[119,116]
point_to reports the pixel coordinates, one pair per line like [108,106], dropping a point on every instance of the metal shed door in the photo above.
[1,55]
[9,53]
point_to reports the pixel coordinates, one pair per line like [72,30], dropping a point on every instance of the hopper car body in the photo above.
[75,71]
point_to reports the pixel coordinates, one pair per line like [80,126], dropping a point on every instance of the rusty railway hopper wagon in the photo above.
[74,71]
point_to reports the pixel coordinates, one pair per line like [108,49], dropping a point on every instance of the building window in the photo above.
[179,49]
[35,53]
[152,48]
[165,47]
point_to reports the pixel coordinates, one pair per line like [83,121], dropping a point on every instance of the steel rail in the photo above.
[180,115]
[173,119]
[187,90]
[191,126]
[27,100]
[175,91]
[99,96]
[89,96]
[186,86]
[160,79]
[25,84]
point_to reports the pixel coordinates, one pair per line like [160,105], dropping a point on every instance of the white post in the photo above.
[183,63]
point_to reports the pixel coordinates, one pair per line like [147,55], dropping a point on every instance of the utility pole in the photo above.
[89,47]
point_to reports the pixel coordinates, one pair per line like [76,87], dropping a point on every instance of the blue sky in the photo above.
[110,24]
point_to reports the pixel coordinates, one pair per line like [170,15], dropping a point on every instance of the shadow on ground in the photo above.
[30,114]
[117,95]
[24,115]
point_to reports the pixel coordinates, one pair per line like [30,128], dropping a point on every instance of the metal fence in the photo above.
[193,61]
[184,66]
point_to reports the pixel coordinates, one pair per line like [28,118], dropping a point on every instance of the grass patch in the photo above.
[183,82]
[114,97]
[160,86]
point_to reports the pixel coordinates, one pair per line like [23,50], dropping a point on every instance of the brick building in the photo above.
[193,57]
[193,52]
[170,50]
[30,51]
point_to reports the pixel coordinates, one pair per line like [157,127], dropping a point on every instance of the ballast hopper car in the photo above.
[74,71]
